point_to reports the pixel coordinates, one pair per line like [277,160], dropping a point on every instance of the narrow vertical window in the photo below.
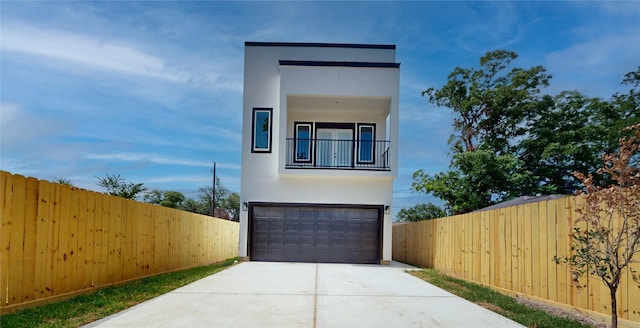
[303,142]
[261,132]
[366,146]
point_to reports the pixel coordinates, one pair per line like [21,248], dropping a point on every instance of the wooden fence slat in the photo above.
[16,243]
[477,246]
[564,276]
[508,248]
[535,250]
[81,257]
[521,249]
[113,260]
[90,235]
[5,236]
[30,235]
[42,274]
[623,300]
[128,222]
[484,247]
[73,277]
[633,297]
[552,250]
[503,246]
[515,255]
[494,254]
[99,253]
[543,259]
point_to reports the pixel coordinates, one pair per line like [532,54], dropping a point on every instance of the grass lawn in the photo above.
[83,309]
[504,305]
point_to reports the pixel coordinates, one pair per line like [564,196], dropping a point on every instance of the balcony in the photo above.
[341,154]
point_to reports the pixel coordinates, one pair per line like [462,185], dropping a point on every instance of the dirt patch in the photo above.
[562,313]
[491,307]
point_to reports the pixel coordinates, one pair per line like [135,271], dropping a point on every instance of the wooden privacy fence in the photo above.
[511,249]
[58,241]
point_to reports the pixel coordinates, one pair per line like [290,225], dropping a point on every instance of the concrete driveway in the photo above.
[262,294]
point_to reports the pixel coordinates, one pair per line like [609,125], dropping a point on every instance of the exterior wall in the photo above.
[268,84]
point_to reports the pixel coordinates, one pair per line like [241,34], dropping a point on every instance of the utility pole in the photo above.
[213,191]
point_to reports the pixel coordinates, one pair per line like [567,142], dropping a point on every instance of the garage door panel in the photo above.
[291,241]
[261,241]
[307,241]
[323,241]
[262,226]
[291,227]
[307,227]
[315,234]
[276,227]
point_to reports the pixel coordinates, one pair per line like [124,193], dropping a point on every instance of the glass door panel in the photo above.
[334,147]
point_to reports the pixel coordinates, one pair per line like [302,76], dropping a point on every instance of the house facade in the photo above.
[319,152]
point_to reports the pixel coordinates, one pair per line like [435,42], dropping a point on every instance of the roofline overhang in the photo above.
[337,64]
[320,45]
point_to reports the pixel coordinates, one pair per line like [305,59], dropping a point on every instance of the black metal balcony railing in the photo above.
[338,154]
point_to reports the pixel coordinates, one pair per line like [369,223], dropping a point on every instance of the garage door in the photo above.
[315,234]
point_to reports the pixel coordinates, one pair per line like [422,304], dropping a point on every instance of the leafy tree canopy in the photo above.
[510,141]
[173,199]
[117,186]
[64,181]
[491,102]
[421,212]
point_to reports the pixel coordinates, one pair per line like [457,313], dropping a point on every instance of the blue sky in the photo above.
[153,90]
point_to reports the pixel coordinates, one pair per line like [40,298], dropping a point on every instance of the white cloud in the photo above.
[87,50]
[598,53]
[18,126]
[156,159]
[596,66]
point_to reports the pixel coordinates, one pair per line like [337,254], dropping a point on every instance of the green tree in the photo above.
[63,181]
[477,179]
[231,203]
[570,132]
[606,234]
[420,212]
[173,199]
[194,206]
[624,111]
[510,141]
[565,135]
[117,186]
[489,103]
[205,193]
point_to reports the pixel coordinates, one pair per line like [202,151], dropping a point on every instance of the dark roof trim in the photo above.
[337,64]
[320,45]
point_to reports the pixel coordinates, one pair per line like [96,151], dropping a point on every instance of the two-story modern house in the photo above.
[319,152]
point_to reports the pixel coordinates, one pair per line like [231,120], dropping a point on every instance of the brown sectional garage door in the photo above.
[320,234]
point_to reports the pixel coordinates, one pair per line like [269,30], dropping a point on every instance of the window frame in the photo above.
[310,148]
[269,131]
[373,143]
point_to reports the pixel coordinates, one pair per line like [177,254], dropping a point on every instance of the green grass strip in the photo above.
[83,309]
[504,305]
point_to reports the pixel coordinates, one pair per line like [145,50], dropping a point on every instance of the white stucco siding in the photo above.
[330,54]
[347,81]
[324,190]
[330,117]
